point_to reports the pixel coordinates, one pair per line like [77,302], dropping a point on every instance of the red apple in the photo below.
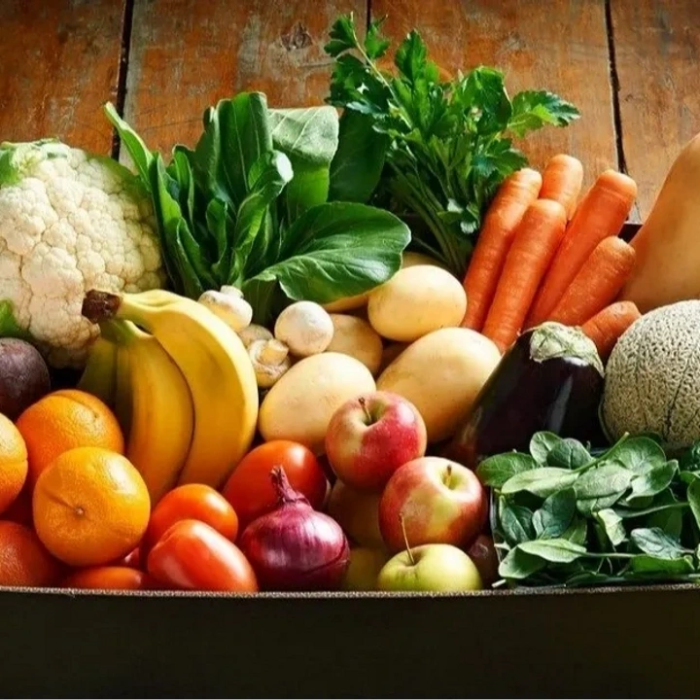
[436,500]
[370,437]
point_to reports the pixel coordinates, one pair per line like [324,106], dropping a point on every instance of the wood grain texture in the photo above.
[187,54]
[59,61]
[657,51]
[560,46]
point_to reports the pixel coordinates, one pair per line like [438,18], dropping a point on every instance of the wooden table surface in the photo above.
[631,66]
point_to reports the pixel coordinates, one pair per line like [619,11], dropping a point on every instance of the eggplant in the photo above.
[551,378]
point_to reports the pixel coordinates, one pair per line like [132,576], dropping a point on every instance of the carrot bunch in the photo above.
[543,255]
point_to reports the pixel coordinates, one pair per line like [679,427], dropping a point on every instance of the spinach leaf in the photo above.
[570,454]
[136,148]
[309,137]
[690,459]
[601,481]
[657,543]
[648,565]
[359,160]
[639,454]
[541,482]
[337,250]
[694,500]
[559,551]
[495,471]
[542,444]
[653,480]
[577,532]
[553,519]
[612,525]
[518,564]
[516,523]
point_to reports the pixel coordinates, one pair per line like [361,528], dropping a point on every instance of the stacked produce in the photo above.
[374,351]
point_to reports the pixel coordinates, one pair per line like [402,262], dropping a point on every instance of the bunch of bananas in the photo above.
[183,389]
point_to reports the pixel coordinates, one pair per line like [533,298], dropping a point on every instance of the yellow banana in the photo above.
[99,376]
[214,362]
[123,398]
[162,414]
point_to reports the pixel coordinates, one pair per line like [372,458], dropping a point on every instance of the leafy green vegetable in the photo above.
[9,328]
[449,142]
[249,207]
[627,515]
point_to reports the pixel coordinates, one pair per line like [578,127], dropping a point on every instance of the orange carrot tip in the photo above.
[606,327]
[562,180]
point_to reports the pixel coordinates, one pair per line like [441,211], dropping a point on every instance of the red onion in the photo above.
[295,548]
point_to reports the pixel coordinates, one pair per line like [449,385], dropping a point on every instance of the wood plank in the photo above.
[561,47]
[657,50]
[187,54]
[59,61]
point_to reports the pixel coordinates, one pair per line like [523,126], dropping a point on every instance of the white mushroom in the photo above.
[305,327]
[270,360]
[254,332]
[232,309]
[232,291]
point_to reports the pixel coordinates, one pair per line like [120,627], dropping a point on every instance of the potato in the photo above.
[355,337]
[417,300]
[409,259]
[441,374]
[300,405]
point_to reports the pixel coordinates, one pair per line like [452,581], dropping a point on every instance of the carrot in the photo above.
[561,181]
[609,324]
[601,213]
[514,196]
[534,245]
[597,283]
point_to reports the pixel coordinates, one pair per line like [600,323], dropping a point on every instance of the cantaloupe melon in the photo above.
[652,380]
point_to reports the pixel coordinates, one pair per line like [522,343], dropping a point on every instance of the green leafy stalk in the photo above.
[447,144]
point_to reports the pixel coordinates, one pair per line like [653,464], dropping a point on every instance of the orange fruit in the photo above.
[91,506]
[24,561]
[63,420]
[13,463]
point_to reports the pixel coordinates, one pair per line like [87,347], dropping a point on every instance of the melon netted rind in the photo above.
[652,381]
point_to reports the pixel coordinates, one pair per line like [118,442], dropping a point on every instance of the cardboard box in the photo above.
[627,642]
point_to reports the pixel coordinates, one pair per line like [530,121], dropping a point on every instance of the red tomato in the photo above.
[108,578]
[193,556]
[192,502]
[249,489]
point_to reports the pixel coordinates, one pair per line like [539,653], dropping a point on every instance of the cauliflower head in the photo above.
[69,222]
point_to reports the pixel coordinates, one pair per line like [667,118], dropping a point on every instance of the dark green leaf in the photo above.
[558,551]
[376,45]
[645,564]
[262,296]
[519,565]
[601,481]
[654,480]
[411,59]
[542,482]
[590,506]
[272,173]
[577,532]
[688,477]
[589,578]
[495,471]
[309,137]
[136,148]
[612,525]
[236,134]
[639,454]
[483,92]
[338,250]
[690,459]
[533,109]
[359,160]
[570,454]
[542,444]
[219,224]
[554,517]
[9,328]
[656,542]
[694,500]
[342,36]
[516,523]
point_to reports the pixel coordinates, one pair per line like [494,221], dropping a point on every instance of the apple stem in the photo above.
[405,539]
[363,402]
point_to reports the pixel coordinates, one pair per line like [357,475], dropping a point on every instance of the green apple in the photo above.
[365,565]
[430,567]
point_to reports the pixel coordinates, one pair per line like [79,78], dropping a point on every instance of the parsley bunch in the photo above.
[445,144]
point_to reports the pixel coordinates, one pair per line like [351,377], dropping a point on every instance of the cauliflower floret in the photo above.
[70,222]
